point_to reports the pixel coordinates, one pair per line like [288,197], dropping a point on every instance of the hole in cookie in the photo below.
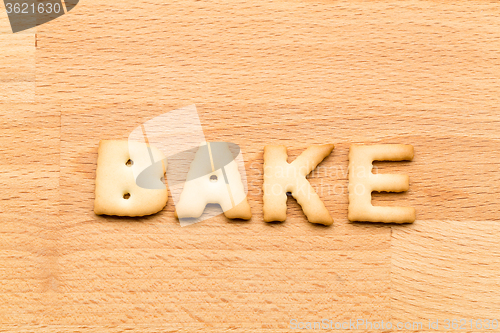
[129,163]
[213,178]
[126,196]
[289,194]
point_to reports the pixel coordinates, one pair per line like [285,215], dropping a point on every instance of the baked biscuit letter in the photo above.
[213,177]
[117,189]
[362,182]
[281,177]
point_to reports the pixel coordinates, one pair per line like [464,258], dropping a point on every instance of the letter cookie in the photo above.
[281,177]
[213,177]
[117,192]
[362,182]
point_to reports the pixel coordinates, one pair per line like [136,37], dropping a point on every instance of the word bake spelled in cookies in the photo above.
[121,164]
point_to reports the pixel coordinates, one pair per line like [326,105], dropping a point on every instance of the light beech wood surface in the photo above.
[425,73]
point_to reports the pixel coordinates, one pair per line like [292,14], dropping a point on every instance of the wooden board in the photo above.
[425,73]
[17,63]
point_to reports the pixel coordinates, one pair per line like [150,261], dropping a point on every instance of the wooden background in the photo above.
[425,73]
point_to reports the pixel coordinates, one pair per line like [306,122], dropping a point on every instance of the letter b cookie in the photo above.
[119,163]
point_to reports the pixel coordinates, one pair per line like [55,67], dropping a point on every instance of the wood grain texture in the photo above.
[17,63]
[296,73]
